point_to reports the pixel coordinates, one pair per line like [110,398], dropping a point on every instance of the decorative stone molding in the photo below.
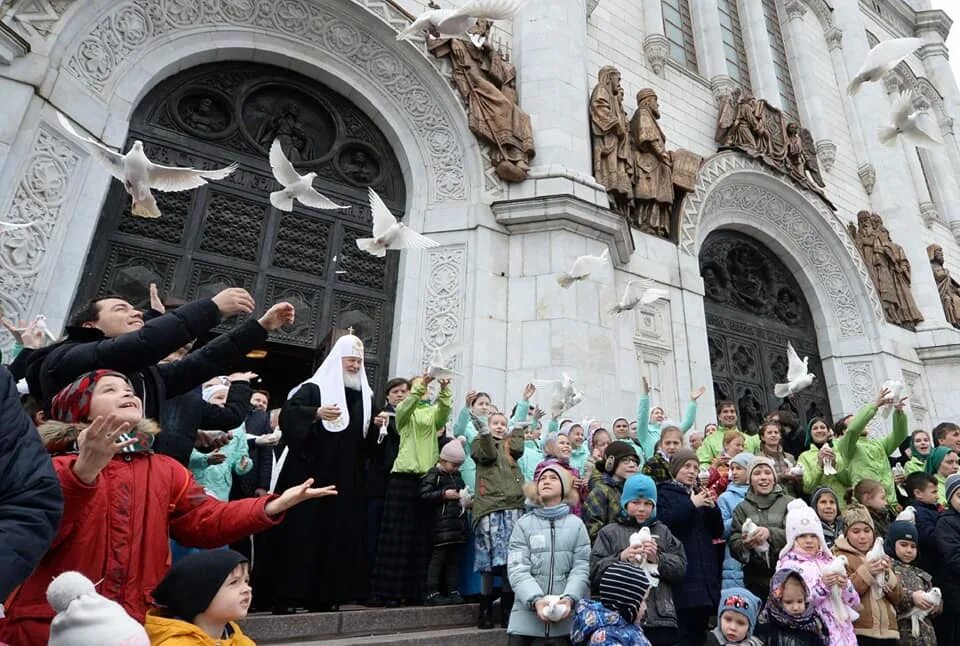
[946,125]
[718,190]
[41,196]
[933,50]
[863,386]
[955,229]
[933,20]
[928,212]
[656,48]
[868,177]
[37,18]
[569,213]
[826,153]
[12,45]
[591,7]
[891,83]
[834,37]
[795,9]
[918,401]
[824,13]
[442,301]
[721,86]
[130,29]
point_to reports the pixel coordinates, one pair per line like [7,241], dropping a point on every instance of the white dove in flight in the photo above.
[798,377]
[438,363]
[295,186]
[139,174]
[389,232]
[906,121]
[884,56]
[583,267]
[453,22]
[639,291]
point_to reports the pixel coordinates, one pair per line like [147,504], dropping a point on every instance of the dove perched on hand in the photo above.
[906,121]
[896,393]
[917,615]
[454,22]
[438,363]
[139,174]
[875,554]
[653,572]
[837,566]
[583,268]
[639,291]
[884,56]
[908,514]
[389,232]
[295,186]
[798,376]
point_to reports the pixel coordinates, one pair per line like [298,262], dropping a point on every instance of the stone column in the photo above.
[941,164]
[806,86]
[756,40]
[925,202]
[656,47]
[933,27]
[713,63]
[550,52]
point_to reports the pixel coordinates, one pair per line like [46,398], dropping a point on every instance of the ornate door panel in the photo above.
[228,234]
[753,307]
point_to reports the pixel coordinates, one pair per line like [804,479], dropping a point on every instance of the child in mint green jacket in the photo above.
[648,428]
[214,471]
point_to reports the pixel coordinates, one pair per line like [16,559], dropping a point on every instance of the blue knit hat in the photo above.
[899,530]
[742,601]
[953,483]
[636,487]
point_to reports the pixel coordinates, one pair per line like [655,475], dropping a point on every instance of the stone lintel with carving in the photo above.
[940,353]
[12,45]
[933,20]
[567,213]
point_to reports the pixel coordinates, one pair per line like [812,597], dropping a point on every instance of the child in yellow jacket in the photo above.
[199,601]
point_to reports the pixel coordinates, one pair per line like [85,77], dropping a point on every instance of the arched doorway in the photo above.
[228,234]
[754,306]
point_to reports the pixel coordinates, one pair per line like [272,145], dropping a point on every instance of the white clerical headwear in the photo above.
[329,379]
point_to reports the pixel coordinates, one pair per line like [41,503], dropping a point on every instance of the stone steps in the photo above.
[418,625]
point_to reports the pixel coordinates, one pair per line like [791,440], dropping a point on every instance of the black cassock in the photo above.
[317,556]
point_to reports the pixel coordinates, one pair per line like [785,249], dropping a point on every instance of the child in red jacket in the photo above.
[122,503]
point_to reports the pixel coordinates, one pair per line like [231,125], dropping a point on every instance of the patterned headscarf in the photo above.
[774,612]
[72,404]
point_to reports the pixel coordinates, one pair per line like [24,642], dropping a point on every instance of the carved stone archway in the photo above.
[733,191]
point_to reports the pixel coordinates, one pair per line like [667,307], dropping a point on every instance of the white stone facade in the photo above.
[491,285]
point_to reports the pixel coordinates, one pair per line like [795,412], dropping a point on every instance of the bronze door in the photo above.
[227,233]
[753,307]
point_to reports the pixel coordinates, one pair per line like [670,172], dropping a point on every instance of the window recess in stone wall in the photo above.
[733,50]
[678,28]
[653,345]
[780,64]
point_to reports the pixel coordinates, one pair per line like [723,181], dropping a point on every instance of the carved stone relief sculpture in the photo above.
[948,288]
[643,179]
[755,127]
[488,83]
[889,269]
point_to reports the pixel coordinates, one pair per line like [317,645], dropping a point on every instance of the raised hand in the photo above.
[156,304]
[528,392]
[444,384]
[215,458]
[296,495]
[471,397]
[696,394]
[97,444]
[234,300]
[645,385]
[426,379]
[242,376]
[883,397]
[279,315]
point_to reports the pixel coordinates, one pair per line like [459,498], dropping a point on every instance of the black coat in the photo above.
[947,574]
[777,635]
[380,457]
[695,528]
[30,499]
[183,415]
[449,522]
[256,424]
[136,354]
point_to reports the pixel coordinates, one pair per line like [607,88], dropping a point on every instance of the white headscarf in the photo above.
[329,379]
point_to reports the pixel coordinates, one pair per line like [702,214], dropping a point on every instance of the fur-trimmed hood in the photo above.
[61,437]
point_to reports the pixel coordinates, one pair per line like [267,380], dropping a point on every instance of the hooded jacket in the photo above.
[418,423]
[499,480]
[603,504]
[449,521]
[30,499]
[648,433]
[118,529]
[868,458]
[878,615]
[164,631]
[596,625]
[768,511]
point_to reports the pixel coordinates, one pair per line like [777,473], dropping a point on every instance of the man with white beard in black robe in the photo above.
[316,559]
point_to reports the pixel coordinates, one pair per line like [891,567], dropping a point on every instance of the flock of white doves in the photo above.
[139,175]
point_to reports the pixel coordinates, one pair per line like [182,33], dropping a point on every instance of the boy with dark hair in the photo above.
[922,492]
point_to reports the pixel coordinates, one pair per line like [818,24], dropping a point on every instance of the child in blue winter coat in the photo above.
[214,471]
[614,618]
[732,570]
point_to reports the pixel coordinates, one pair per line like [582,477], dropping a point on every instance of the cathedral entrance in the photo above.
[227,234]
[754,306]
